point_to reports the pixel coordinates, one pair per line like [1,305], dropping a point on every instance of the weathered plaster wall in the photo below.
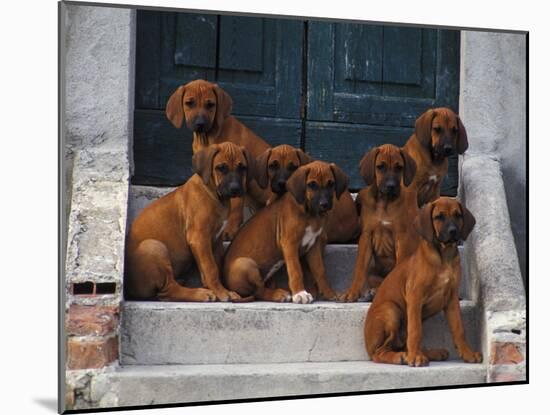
[493,91]
[98,91]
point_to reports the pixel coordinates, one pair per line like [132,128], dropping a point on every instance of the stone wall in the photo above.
[493,93]
[98,91]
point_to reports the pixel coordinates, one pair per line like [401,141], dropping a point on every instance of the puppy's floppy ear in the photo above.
[224,105]
[261,166]
[423,127]
[409,169]
[462,138]
[296,184]
[303,157]
[251,170]
[423,222]
[202,162]
[174,107]
[341,180]
[367,166]
[468,222]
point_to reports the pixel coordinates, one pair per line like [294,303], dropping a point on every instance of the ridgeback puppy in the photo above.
[438,134]
[388,208]
[277,164]
[421,286]
[185,226]
[289,228]
[206,109]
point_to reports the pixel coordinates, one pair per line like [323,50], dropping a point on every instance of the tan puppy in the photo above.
[206,109]
[421,286]
[388,208]
[185,226]
[438,134]
[277,164]
[282,233]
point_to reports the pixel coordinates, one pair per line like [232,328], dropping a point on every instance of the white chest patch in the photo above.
[385,222]
[224,224]
[310,236]
[274,269]
[433,178]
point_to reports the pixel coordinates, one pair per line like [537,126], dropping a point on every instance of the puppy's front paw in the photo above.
[204,295]
[469,356]
[350,296]
[282,296]
[302,297]
[225,296]
[417,359]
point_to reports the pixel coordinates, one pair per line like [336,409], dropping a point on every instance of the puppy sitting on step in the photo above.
[421,286]
[388,207]
[289,228]
[276,165]
[186,226]
[438,134]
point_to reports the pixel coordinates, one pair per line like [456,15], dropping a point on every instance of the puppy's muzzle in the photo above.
[200,124]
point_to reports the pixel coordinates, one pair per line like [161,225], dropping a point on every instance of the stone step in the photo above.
[162,333]
[148,385]
[339,264]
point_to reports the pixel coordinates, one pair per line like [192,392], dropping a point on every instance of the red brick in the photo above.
[506,353]
[506,377]
[91,354]
[91,320]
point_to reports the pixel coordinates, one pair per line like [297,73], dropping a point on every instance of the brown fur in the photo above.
[277,164]
[204,100]
[433,129]
[183,227]
[277,233]
[387,235]
[421,286]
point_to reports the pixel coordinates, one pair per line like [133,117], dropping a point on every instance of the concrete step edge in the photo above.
[145,385]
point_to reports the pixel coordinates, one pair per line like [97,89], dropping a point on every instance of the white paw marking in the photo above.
[224,224]
[386,222]
[310,236]
[433,178]
[274,269]
[302,297]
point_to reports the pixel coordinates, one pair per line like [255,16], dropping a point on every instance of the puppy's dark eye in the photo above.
[398,167]
[437,129]
[190,104]
[454,130]
[292,167]
[330,184]
[210,105]
[439,216]
[381,167]
[241,168]
[222,168]
[458,215]
[274,165]
[313,185]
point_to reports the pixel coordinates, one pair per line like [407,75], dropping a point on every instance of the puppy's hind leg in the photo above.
[244,277]
[382,335]
[151,276]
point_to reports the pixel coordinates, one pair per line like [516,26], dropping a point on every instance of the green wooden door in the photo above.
[257,61]
[334,89]
[371,84]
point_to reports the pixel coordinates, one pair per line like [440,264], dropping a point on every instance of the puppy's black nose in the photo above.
[448,149]
[200,123]
[324,205]
[235,189]
[453,232]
